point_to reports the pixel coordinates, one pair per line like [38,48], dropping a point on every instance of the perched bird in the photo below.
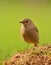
[29,32]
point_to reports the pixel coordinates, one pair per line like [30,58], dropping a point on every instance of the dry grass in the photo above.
[35,56]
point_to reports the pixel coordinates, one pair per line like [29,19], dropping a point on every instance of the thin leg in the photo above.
[36,44]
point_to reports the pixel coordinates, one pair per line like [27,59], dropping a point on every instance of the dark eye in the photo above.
[26,21]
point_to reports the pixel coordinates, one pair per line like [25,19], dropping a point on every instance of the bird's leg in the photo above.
[35,44]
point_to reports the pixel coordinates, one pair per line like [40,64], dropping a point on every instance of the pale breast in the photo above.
[24,34]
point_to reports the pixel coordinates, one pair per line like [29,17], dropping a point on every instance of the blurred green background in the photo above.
[13,11]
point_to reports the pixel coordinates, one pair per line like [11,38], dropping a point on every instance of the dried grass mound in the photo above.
[36,56]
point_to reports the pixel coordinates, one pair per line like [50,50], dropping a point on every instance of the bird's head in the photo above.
[26,21]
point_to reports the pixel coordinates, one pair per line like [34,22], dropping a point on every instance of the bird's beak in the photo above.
[21,22]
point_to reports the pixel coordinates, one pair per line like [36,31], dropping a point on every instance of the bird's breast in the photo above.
[24,34]
[22,29]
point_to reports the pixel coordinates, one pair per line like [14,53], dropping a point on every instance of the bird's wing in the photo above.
[33,35]
[35,28]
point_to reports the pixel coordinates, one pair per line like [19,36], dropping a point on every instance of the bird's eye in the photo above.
[26,21]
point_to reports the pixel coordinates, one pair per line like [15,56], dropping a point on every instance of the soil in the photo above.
[34,56]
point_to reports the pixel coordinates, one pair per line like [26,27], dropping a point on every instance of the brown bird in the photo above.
[29,32]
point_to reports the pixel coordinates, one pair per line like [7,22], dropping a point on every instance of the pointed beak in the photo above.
[21,22]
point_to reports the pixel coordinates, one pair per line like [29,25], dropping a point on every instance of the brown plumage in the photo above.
[29,32]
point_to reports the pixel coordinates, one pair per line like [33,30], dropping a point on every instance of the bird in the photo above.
[29,32]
